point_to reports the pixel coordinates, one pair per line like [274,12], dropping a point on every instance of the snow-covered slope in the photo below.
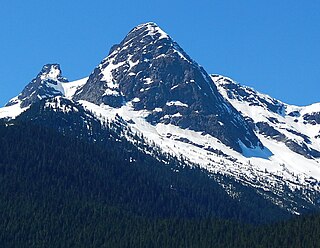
[275,170]
[296,127]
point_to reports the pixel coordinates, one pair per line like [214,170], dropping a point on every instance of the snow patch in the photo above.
[177,103]
[109,92]
[136,99]
[147,81]
[11,112]
[157,110]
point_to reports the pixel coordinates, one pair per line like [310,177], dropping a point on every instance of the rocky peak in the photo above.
[153,72]
[48,83]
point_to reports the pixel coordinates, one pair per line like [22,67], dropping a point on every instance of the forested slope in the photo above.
[59,191]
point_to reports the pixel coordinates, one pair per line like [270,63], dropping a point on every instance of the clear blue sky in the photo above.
[273,46]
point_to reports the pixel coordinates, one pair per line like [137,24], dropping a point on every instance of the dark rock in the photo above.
[273,120]
[269,131]
[305,137]
[185,140]
[302,149]
[313,118]
[294,114]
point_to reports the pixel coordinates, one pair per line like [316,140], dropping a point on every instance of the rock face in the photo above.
[47,84]
[153,72]
[312,118]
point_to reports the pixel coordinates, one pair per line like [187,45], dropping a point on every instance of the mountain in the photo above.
[154,96]
[152,72]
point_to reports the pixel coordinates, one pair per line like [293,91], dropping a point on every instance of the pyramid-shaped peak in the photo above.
[151,71]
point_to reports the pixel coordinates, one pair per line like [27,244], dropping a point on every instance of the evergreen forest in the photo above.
[61,191]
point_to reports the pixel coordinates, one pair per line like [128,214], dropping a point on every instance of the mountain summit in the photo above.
[152,71]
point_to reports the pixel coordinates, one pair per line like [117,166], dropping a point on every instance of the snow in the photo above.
[177,103]
[255,152]
[57,86]
[170,116]
[161,56]
[131,63]
[11,112]
[173,87]
[107,68]
[67,89]
[107,74]
[136,99]
[109,92]
[131,74]
[313,108]
[157,110]
[176,115]
[147,81]
[70,88]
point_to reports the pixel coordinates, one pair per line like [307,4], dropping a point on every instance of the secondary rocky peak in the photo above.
[47,84]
